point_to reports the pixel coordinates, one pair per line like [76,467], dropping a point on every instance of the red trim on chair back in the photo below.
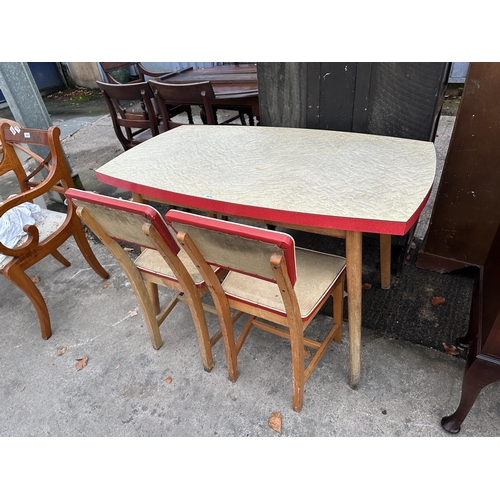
[149,213]
[283,241]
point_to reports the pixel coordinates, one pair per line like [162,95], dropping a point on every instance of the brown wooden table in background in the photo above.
[234,85]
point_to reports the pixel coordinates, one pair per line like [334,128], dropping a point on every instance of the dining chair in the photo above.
[269,279]
[162,262]
[132,126]
[194,94]
[174,94]
[44,231]
[120,73]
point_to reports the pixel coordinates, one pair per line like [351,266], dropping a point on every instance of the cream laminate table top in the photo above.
[325,178]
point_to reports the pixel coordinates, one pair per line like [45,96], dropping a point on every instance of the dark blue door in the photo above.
[47,77]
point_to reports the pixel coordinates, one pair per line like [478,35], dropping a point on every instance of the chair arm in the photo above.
[29,245]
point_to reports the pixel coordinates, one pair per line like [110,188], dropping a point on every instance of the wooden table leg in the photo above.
[385,261]
[354,252]
[137,198]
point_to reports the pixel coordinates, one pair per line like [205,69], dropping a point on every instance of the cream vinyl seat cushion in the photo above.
[150,261]
[321,270]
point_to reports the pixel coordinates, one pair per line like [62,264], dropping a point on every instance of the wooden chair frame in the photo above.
[58,179]
[234,250]
[178,94]
[143,75]
[132,126]
[115,220]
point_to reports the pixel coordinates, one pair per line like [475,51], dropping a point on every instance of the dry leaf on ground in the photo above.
[366,286]
[128,249]
[82,363]
[35,279]
[132,313]
[105,285]
[168,380]
[450,349]
[62,351]
[436,301]
[275,421]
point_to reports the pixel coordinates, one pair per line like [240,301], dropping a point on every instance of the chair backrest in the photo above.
[53,171]
[123,220]
[236,247]
[141,116]
[140,73]
[191,94]
[53,167]
[110,67]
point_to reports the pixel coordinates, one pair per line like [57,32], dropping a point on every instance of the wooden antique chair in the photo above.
[162,262]
[269,279]
[132,112]
[142,74]
[46,235]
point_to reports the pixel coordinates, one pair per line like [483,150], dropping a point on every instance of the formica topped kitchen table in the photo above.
[328,182]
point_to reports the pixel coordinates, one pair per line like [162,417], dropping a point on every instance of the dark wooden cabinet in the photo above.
[483,337]
[466,211]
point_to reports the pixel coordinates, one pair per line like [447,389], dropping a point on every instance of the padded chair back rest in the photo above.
[236,247]
[123,220]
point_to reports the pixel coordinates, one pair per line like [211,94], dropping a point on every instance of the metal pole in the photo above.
[25,102]
[24,99]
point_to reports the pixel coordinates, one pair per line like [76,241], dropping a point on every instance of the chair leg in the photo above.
[242,118]
[298,378]
[190,115]
[26,285]
[60,258]
[153,295]
[200,324]
[83,245]
[147,307]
